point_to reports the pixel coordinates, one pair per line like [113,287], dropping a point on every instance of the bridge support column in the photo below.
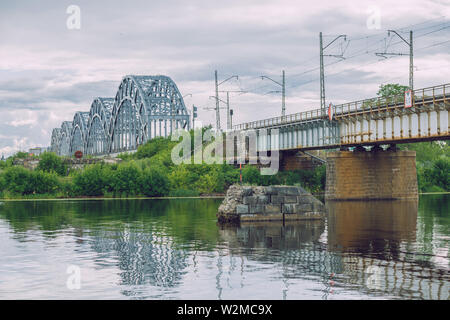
[294,160]
[374,175]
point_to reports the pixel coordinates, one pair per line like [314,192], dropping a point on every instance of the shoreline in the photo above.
[213,196]
[114,198]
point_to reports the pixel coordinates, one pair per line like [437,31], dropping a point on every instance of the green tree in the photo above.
[391,89]
[152,147]
[22,181]
[250,174]
[428,151]
[126,179]
[91,181]
[211,182]
[20,155]
[18,180]
[50,162]
[154,183]
[44,182]
[439,174]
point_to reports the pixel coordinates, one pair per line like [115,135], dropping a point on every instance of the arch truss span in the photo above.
[66,137]
[98,137]
[56,140]
[79,132]
[146,107]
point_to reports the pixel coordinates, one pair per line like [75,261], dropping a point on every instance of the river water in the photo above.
[174,249]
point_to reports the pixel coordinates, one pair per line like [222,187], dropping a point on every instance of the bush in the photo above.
[125,179]
[19,180]
[154,183]
[180,178]
[434,189]
[50,162]
[183,193]
[91,181]
[250,175]
[20,155]
[3,164]
[45,182]
[152,147]
[230,175]
[210,182]
[67,187]
[440,174]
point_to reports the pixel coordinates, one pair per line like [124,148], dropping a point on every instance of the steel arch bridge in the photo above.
[145,107]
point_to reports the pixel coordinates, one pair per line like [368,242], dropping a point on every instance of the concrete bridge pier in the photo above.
[371,175]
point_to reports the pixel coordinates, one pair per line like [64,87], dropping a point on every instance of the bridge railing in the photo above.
[420,98]
[296,117]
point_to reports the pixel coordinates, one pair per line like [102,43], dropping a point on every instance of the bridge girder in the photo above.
[144,107]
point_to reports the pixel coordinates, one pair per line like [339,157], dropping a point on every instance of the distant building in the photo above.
[37,150]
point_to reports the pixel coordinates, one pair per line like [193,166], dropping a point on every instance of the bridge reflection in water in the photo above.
[174,249]
[377,244]
[365,246]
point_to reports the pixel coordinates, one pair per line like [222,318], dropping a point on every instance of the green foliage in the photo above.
[428,151]
[3,164]
[45,182]
[211,182]
[433,166]
[50,162]
[250,175]
[154,182]
[92,181]
[312,180]
[230,175]
[126,179]
[125,156]
[438,175]
[152,147]
[391,89]
[184,193]
[18,180]
[20,155]
[180,178]
[22,181]
[148,172]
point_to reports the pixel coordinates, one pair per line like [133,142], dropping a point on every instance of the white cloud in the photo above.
[48,72]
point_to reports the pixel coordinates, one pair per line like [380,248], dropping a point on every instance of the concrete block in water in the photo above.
[241,209]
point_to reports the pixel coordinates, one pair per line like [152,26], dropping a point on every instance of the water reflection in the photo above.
[371,228]
[295,248]
[272,235]
[149,242]
[377,243]
[175,249]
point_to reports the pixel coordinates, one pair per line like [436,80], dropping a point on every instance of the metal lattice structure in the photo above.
[369,122]
[97,138]
[145,107]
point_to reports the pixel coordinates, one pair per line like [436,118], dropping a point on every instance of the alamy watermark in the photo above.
[74,279]
[373,22]
[73,21]
[240,147]
[373,282]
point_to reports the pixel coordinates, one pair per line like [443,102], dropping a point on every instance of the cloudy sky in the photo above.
[48,71]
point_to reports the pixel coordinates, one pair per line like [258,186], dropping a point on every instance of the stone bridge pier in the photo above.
[371,175]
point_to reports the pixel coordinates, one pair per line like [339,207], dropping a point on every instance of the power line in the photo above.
[366,64]
[363,52]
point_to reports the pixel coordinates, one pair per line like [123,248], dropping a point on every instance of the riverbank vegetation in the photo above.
[149,172]
[433,165]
